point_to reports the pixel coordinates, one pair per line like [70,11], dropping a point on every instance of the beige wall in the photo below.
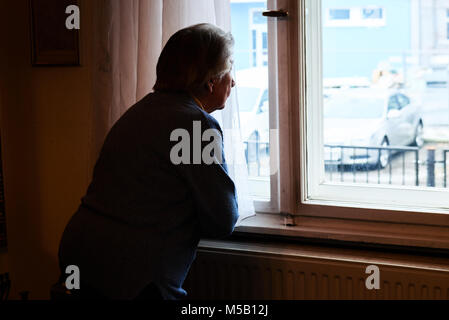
[45,127]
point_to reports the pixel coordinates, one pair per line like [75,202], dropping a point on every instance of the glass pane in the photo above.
[249,28]
[386,94]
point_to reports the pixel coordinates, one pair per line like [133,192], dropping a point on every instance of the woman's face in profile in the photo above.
[221,90]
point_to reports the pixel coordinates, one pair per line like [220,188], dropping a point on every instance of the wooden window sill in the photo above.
[354,231]
[271,248]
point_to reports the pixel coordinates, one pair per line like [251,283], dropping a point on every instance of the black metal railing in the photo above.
[431,162]
[253,151]
[445,152]
[363,158]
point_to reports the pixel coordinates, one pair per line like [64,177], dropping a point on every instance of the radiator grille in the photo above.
[234,275]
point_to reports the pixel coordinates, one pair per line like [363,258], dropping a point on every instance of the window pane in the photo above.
[385,99]
[249,28]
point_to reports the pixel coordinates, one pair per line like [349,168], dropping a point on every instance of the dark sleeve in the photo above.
[213,192]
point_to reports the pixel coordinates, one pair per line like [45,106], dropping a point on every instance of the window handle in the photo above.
[275,13]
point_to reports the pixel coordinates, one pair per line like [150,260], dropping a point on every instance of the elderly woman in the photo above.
[136,231]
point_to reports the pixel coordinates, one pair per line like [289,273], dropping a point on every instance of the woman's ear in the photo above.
[210,86]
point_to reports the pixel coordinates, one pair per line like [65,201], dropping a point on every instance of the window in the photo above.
[254,99]
[393,103]
[368,89]
[339,14]
[403,101]
[376,153]
[263,102]
[377,160]
[258,27]
[354,17]
[372,13]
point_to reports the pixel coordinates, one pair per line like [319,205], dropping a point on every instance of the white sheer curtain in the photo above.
[129,37]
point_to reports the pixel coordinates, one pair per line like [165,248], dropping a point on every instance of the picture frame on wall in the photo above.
[52,44]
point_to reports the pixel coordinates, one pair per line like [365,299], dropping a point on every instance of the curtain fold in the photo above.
[129,37]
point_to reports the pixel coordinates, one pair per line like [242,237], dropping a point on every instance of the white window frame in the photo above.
[272,205]
[320,219]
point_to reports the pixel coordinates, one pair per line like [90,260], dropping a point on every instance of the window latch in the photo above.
[289,220]
[275,13]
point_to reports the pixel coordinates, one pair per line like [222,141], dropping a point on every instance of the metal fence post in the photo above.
[417,168]
[431,167]
[257,157]
[445,168]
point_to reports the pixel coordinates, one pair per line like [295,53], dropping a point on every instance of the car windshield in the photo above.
[247,98]
[353,108]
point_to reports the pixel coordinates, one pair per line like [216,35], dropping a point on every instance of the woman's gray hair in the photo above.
[193,56]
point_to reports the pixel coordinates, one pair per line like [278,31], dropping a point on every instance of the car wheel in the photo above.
[419,140]
[384,155]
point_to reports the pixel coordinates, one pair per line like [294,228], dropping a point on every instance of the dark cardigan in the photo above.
[142,216]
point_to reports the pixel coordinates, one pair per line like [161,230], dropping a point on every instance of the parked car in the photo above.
[370,118]
[252,98]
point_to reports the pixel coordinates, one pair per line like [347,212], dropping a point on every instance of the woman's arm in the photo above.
[212,189]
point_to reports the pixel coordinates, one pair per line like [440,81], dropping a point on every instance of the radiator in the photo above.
[224,270]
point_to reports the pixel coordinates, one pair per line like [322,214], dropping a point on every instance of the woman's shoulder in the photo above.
[171,102]
[181,106]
